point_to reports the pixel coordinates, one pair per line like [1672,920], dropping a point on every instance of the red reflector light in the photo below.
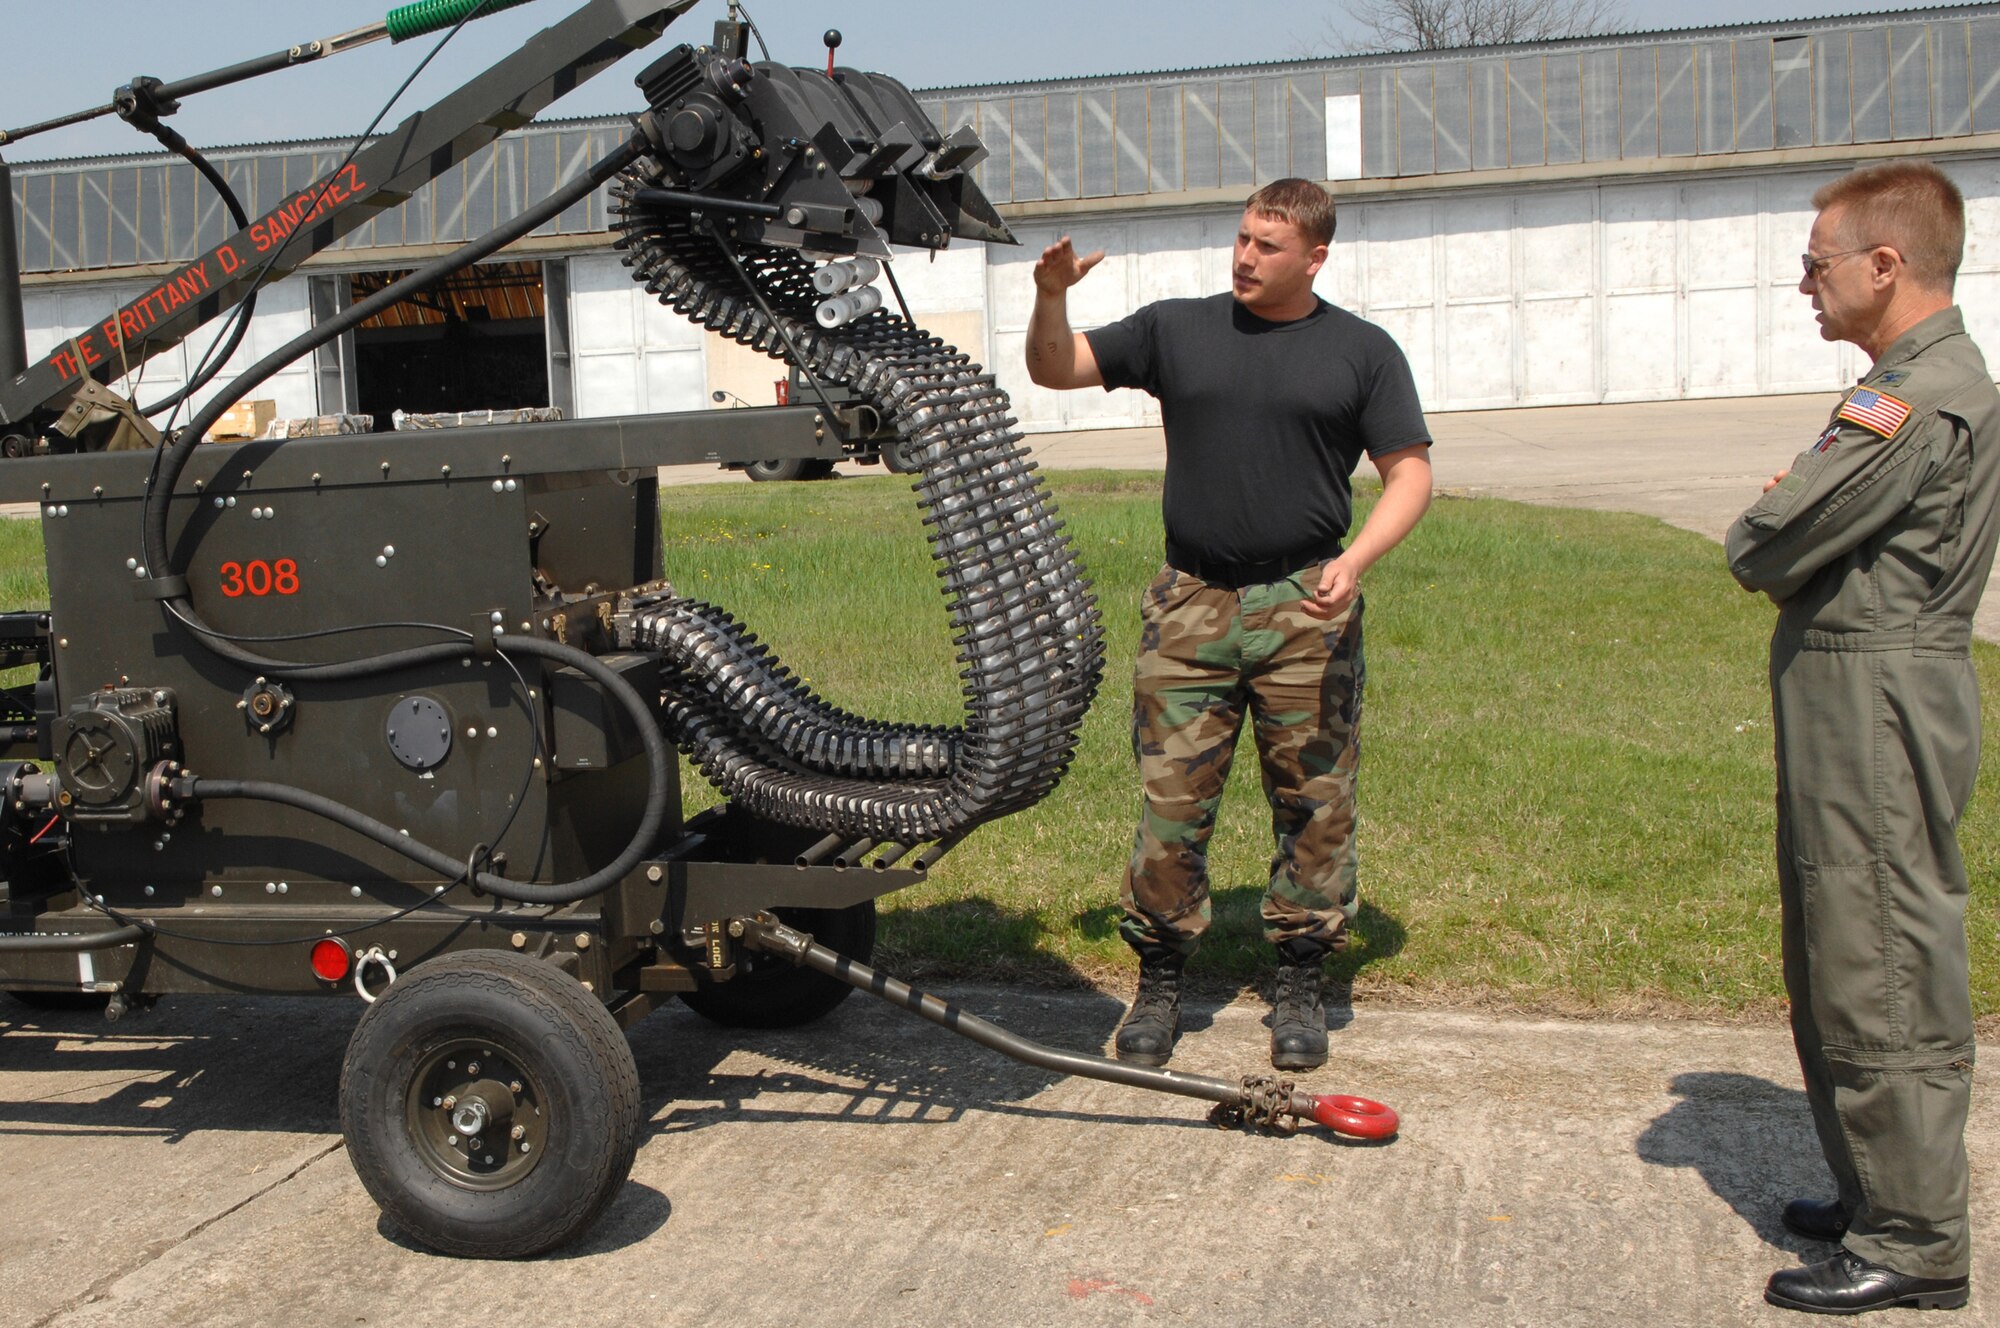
[331,960]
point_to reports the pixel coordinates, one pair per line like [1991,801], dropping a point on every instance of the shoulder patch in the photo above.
[1877,412]
[1892,377]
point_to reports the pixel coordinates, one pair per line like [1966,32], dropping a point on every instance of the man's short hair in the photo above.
[1300,202]
[1910,206]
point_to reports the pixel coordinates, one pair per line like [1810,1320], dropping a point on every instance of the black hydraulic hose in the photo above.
[339,671]
[33,943]
[240,316]
[176,457]
[452,867]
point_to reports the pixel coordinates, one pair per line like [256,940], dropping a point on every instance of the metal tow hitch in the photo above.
[1259,1101]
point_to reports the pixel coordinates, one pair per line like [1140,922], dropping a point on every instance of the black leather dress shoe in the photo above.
[1816,1219]
[1849,1284]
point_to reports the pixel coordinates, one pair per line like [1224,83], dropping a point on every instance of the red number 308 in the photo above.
[260,578]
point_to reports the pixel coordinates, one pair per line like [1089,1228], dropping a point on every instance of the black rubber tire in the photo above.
[770,992]
[37,999]
[582,1101]
[791,468]
[898,457]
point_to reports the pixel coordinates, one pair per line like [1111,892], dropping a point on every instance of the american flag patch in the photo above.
[1875,411]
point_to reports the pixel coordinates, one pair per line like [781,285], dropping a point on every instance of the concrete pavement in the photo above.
[183,1167]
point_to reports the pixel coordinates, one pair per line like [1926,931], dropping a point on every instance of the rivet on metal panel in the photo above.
[654,874]
[492,732]
[519,939]
[583,940]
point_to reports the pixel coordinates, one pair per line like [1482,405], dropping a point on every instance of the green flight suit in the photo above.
[1876,548]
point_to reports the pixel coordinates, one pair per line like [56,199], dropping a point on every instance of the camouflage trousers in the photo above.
[1208,655]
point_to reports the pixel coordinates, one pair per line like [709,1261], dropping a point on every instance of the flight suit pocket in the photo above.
[1842,908]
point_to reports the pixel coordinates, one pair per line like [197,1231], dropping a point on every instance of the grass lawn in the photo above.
[1566,788]
[1566,785]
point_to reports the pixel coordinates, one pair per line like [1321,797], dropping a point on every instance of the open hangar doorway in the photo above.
[479,340]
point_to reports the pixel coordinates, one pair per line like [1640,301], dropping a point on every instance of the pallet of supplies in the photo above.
[320,426]
[472,418]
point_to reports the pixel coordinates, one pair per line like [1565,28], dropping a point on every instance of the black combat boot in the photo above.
[1147,1035]
[1298,1013]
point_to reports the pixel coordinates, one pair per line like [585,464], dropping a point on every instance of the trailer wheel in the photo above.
[769,992]
[899,456]
[790,468]
[490,1105]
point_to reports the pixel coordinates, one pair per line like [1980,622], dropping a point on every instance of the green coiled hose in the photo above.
[421,16]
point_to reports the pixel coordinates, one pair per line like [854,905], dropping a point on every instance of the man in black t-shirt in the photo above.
[1270,397]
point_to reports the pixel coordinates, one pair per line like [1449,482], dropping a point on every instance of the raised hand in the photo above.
[1059,268]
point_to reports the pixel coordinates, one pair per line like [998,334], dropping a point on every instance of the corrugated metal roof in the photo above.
[1872,77]
[1358,59]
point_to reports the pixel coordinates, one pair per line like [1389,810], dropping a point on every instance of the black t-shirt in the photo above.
[1265,421]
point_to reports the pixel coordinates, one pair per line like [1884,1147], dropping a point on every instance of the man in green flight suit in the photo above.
[1876,545]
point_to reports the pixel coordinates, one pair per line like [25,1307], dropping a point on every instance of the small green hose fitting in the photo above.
[422,16]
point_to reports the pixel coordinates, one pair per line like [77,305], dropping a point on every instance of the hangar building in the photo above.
[1600,219]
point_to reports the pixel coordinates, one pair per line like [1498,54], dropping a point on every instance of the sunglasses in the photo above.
[1816,265]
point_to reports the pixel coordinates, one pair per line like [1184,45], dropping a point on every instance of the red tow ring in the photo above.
[1354,1116]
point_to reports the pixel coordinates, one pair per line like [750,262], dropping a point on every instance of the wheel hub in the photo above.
[476,1116]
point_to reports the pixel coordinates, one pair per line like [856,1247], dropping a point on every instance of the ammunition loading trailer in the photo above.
[392,717]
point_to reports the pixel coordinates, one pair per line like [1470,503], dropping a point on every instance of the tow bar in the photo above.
[1260,1101]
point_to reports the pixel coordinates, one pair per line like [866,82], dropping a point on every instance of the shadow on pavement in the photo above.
[636,1214]
[1751,1140]
[187,1065]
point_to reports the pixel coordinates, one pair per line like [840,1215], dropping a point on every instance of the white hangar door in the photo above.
[630,354]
